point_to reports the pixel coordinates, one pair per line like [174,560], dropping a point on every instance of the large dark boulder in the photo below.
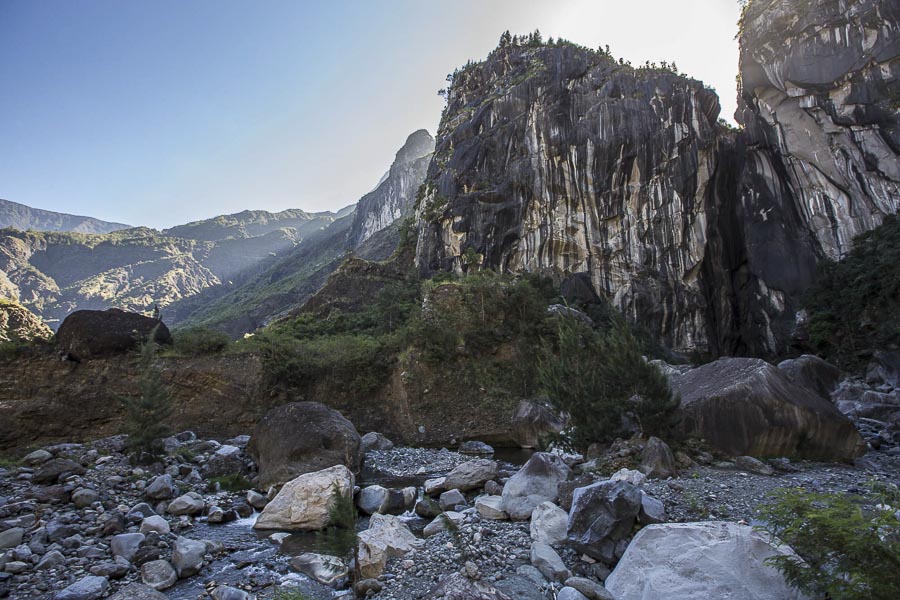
[812,373]
[91,333]
[602,515]
[302,437]
[746,406]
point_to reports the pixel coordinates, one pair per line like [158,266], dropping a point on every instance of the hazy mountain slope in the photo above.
[19,216]
[19,323]
[255,223]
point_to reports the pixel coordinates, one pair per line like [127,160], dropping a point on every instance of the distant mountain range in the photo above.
[234,272]
[24,218]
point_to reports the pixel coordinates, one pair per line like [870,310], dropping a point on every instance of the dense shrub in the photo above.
[600,380]
[146,413]
[848,553]
[854,305]
[198,341]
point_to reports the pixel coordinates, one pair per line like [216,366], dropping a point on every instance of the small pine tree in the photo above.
[505,39]
[146,413]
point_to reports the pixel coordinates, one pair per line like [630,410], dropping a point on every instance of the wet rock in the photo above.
[302,437]
[471,475]
[548,524]
[375,441]
[537,481]
[700,560]
[304,502]
[327,570]
[158,574]
[91,587]
[657,460]
[547,561]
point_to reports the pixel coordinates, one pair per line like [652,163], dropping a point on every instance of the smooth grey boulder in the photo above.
[547,561]
[687,561]
[812,373]
[475,447]
[589,588]
[189,504]
[602,514]
[51,560]
[548,523]
[652,510]
[126,545]
[161,488]
[36,458]
[158,574]
[327,570]
[471,475]
[570,593]
[11,538]
[302,437]
[84,497]
[155,523]
[138,591]
[371,499]
[451,499]
[187,556]
[375,441]
[90,587]
[657,460]
[537,481]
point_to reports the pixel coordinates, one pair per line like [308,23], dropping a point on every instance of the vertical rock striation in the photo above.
[558,159]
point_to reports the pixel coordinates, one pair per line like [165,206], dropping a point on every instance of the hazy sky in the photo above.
[164,111]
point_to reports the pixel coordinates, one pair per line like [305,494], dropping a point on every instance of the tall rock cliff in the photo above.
[395,194]
[559,159]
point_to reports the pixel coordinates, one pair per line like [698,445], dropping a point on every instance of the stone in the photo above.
[533,423]
[387,537]
[375,441]
[602,514]
[84,497]
[304,503]
[227,460]
[439,523]
[435,486]
[711,559]
[490,507]
[155,523]
[475,447]
[90,587]
[745,406]
[88,334]
[570,593]
[657,460]
[371,499]
[459,587]
[492,488]
[138,591]
[451,499]
[537,481]
[158,574]
[588,588]
[547,561]
[652,510]
[427,508]
[256,500]
[36,458]
[753,465]
[327,570]
[139,512]
[631,476]
[471,475]
[187,556]
[884,368]
[363,587]
[51,560]
[113,569]
[161,488]
[548,524]
[11,538]
[190,504]
[225,592]
[812,373]
[126,545]
[54,469]
[302,437]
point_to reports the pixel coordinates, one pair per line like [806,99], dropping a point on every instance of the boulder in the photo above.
[435,486]
[475,447]
[451,499]
[304,503]
[548,523]
[161,488]
[126,545]
[377,499]
[631,476]
[52,470]
[226,592]
[547,561]
[36,458]
[155,523]
[227,460]
[532,423]
[537,481]
[91,333]
[812,373]
[570,593]
[459,587]
[440,523]
[490,507]
[302,437]
[652,510]
[686,561]
[327,570]
[471,475]
[588,588]
[137,591]
[657,460]
[753,465]
[745,406]
[387,537]
[158,574]
[51,560]
[375,441]
[428,508]
[884,369]
[256,500]
[86,588]
[602,514]
[187,556]
[11,538]
[189,504]
[84,497]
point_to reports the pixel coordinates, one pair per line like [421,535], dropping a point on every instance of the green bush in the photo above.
[848,553]
[231,483]
[854,304]
[597,378]
[198,341]
[147,412]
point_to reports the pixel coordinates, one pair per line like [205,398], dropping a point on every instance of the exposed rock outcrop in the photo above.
[305,503]
[92,333]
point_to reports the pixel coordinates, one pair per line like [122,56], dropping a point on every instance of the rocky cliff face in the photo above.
[558,159]
[395,194]
[19,323]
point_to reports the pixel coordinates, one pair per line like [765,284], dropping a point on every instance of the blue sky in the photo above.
[165,111]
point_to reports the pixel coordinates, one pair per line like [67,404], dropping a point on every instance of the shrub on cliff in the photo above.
[848,553]
[146,413]
[600,380]
[854,304]
[199,341]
